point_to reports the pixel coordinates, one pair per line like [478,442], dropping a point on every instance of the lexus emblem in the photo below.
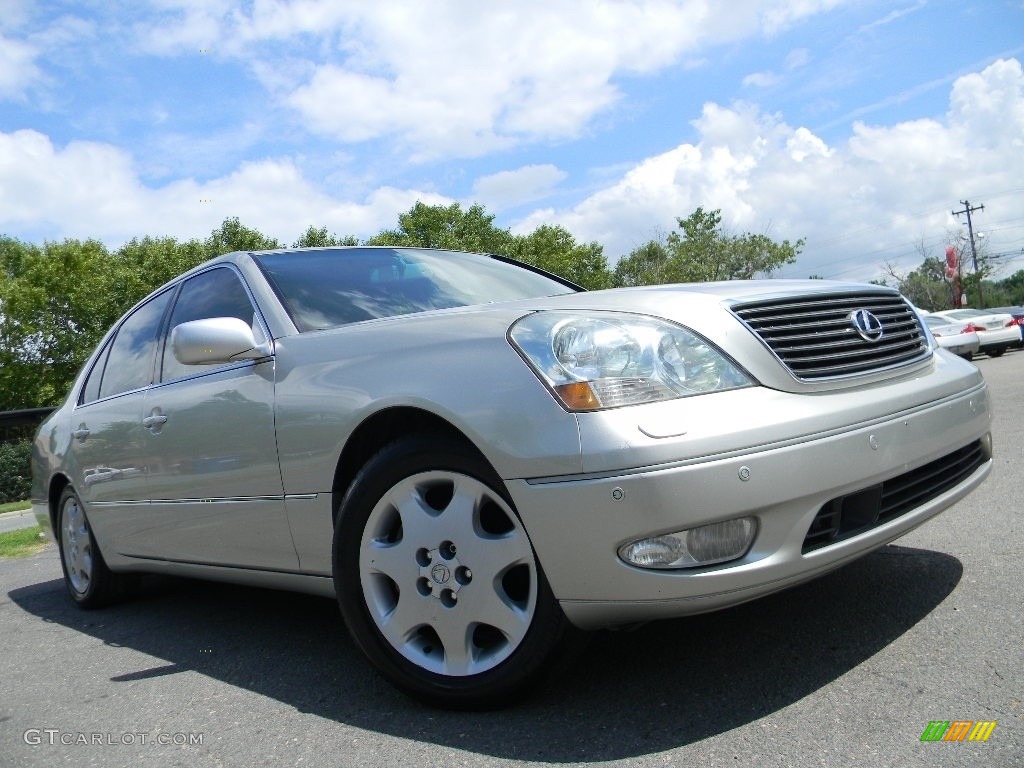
[867,326]
[440,574]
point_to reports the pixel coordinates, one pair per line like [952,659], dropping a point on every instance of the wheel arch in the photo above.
[384,427]
[57,485]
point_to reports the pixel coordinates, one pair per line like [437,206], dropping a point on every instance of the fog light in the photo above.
[693,547]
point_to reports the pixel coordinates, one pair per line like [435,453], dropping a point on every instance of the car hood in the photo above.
[702,307]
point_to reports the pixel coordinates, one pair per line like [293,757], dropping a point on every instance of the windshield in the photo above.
[325,288]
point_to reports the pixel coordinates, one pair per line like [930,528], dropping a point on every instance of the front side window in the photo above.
[129,364]
[215,293]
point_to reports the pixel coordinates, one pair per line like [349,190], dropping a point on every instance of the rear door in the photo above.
[109,465]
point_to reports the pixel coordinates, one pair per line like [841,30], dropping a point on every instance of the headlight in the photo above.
[607,359]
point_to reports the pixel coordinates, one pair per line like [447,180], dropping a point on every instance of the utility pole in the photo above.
[970,233]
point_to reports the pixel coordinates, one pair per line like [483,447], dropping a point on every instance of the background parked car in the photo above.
[959,338]
[1018,319]
[997,331]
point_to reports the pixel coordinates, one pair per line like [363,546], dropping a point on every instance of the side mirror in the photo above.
[216,340]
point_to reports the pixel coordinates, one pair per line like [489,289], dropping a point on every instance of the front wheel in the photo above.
[437,579]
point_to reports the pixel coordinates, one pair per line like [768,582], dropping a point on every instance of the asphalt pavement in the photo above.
[848,670]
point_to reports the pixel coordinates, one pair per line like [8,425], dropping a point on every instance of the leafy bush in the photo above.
[15,471]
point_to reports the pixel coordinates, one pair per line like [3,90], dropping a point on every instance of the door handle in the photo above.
[154,421]
[81,433]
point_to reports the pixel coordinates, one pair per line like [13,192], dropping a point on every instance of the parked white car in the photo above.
[997,331]
[960,338]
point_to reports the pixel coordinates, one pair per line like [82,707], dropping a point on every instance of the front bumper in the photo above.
[577,524]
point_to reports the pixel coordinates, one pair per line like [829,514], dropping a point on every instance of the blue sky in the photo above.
[858,126]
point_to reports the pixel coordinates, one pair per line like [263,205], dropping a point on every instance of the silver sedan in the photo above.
[478,460]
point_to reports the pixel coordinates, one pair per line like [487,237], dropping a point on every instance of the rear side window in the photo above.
[91,390]
[129,363]
[215,293]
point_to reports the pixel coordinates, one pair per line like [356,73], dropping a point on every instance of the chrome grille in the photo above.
[815,336]
[856,513]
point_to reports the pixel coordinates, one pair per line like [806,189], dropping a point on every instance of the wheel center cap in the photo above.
[440,573]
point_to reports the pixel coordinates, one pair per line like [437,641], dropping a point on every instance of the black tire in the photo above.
[90,583]
[995,352]
[422,622]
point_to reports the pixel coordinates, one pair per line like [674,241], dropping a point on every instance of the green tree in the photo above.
[12,256]
[15,470]
[439,226]
[55,302]
[646,265]
[232,235]
[927,286]
[144,264]
[701,251]
[59,299]
[554,249]
[320,238]
[1013,287]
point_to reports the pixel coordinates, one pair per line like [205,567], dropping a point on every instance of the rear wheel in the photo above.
[89,581]
[995,351]
[437,579]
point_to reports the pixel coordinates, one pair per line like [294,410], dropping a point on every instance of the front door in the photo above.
[214,481]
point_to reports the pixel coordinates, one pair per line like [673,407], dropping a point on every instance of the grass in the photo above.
[22,543]
[15,506]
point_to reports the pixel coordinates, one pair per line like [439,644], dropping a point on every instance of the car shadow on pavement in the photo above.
[663,686]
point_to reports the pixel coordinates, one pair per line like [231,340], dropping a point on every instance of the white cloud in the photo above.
[481,81]
[803,144]
[761,79]
[412,80]
[893,16]
[22,51]
[510,188]
[89,189]
[453,78]
[869,200]
[13,13]
[779,16]
[797,58]
[989,105]
[186,25]
[18,69]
